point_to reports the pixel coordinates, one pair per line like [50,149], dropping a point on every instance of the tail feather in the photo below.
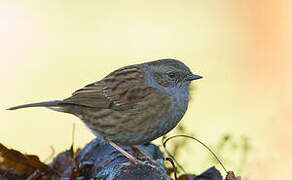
[48,104]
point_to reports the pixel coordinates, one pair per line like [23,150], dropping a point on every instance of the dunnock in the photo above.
[132,105]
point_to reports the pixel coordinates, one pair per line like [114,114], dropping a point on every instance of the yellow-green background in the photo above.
[50,48]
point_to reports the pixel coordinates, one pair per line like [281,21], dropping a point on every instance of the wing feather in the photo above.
[119,90]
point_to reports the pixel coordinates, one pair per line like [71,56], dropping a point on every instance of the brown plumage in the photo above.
[132,105]
[119,89]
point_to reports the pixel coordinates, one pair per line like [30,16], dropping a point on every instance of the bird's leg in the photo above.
[143,155]
[125,153]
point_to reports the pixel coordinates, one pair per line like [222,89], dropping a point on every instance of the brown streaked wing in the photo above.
[119,90]
[90,96]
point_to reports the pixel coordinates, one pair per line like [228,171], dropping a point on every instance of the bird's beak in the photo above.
[191,77]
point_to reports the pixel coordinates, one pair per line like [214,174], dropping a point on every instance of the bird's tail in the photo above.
[54,105]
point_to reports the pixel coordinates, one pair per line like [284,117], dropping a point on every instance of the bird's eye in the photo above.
[171,75]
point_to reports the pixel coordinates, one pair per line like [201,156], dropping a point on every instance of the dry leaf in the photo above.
[13,163]
[231,176]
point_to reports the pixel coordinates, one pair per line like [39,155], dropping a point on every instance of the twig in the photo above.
[173,165]
[181,135]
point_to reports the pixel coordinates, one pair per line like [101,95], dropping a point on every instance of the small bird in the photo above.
[132,105]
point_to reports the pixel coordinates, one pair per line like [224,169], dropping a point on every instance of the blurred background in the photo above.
[241,109]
